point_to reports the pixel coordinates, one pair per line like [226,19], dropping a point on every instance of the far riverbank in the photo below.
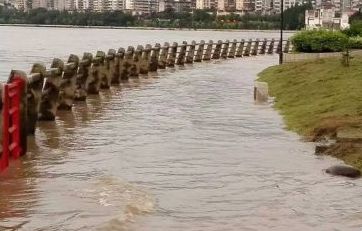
[142,28]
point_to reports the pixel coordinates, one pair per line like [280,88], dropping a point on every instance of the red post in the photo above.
[14,111]
[4,161]
[11,121]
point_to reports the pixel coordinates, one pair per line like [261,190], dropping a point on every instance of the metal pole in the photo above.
[281,31]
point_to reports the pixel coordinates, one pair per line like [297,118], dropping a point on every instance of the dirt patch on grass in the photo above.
[328,127]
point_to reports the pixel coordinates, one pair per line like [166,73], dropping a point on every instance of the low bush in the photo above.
[355,29]
[355,42]
[314,41]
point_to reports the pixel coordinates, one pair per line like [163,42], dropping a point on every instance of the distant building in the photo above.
[145,6]
[21,5]
[176,5]
[326,18]
[39,4]
[239,5]
[206,4]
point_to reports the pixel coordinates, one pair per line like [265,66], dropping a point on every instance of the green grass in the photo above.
[316,98]
[311,93]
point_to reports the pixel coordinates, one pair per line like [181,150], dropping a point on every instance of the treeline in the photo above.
[54,17]
[197,19]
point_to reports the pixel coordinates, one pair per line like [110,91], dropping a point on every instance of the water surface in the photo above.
[183,149]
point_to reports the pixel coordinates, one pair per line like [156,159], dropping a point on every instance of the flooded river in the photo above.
[183,149]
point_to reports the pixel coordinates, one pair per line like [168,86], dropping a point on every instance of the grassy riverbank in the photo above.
[321,99]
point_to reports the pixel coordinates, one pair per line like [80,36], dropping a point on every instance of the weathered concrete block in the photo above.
[145,59]
[103,71]
[261,92]
[271,47]
[208,50]
[83,73]
[200,51]
[225,49]
[263,47]
[154,58]
[135,68]
[35,86]
[128,63]
[23,108]
[182,54]
[239,51]
[118,62]
[163,56]
[191,52]
[95,77]
[255,47]
[232,50]
[287,46]
[123,73]
[68,83]
[112,68]
[247,50]
[172,55]
[217,50]
[50,94]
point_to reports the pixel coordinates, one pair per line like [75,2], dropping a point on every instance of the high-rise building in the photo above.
[39,4]
[145,6]
[206,4]
[60,5]
[177,5]
[98,5]
[239,5]
[129,5]
[21,5]
[248,6]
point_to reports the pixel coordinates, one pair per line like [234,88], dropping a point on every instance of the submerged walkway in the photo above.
[184,150]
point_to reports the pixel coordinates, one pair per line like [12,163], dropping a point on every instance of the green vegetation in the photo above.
[355,29]
[319,41]
[294,19]
[330,41]
[42,16]
[318,98]
[355,42]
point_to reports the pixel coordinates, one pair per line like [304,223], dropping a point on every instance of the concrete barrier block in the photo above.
[50,94]
[200,51]
[83,74]
[191,52]
[208,50]
[68,83]
[35,87]
[261,92]
[154,58]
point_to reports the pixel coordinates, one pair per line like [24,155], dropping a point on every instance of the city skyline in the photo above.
[154,6]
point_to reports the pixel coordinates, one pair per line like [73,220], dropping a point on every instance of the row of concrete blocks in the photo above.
[57,87]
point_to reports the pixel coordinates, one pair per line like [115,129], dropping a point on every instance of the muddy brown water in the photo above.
[183,149]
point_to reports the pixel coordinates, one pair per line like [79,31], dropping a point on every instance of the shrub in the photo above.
[355,42]
[319,41]
[355,29]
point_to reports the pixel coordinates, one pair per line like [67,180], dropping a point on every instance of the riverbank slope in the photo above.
[321,99]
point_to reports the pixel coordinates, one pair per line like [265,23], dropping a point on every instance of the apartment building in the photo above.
[145,6]
[206,4]
[177,5]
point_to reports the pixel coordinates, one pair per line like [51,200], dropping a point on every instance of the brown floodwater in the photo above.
[183,149]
